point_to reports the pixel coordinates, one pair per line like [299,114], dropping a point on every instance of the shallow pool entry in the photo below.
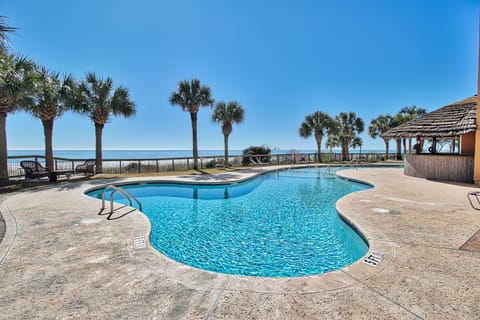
[280,224]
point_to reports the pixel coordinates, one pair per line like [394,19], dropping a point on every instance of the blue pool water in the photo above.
[280,224]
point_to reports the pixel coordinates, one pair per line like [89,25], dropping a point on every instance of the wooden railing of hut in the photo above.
[451,167]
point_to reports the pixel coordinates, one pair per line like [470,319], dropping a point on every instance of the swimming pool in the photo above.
[279,224]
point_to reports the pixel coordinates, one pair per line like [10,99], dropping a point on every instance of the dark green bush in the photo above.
[258,154]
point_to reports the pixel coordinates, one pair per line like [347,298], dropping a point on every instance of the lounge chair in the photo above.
[34,170]
[87,167]
[256,161]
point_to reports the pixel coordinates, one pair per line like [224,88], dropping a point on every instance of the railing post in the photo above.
[139,166]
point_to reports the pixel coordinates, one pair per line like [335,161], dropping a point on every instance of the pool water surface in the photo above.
[279,224]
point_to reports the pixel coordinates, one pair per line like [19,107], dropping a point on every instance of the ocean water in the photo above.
[153,154]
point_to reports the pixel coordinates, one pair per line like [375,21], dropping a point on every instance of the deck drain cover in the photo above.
[374,258]
[139,242]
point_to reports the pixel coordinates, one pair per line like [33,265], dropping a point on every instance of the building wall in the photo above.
[467,144]
[440,167]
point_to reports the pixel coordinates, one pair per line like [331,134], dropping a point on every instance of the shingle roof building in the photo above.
[452,120]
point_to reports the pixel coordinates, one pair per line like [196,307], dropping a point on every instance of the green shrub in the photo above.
[257,154]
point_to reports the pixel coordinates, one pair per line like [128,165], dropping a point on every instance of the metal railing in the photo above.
[121,191]
[126,166]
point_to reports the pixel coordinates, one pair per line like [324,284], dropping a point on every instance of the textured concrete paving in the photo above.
[61,258]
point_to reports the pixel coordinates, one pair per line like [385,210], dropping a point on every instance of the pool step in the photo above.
[374,258]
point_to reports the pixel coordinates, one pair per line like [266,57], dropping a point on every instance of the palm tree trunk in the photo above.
[386,148]
[98,147]
[345,150]
[193,116]
[48,132]
[399,149]
[319,149]
[225,142]
[3,147]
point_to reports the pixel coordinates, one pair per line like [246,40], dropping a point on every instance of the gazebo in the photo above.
[456,121]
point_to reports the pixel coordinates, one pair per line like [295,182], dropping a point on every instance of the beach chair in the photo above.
[34,170]
[89,166]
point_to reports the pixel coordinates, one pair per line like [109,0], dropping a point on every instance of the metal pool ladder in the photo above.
[121,191]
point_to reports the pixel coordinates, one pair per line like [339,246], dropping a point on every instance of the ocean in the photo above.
[154,154]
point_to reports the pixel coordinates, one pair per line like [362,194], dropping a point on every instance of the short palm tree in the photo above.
[227,114]
[51,98]
[356,142]
[98,99]
[16,85]
[333,141]
[406,114]
[348,126]
[379,126]
[317,123]
[190,96]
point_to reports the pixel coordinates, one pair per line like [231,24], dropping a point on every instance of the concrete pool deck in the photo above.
[62,258]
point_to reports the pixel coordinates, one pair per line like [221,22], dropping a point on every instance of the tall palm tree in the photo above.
[16,85]
[379,126]
[190,96]
[317,123]
[227,114]
[98,99]
[4,31]
[51,98]
[348,126]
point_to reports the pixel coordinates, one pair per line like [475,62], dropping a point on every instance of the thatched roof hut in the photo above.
[452,120]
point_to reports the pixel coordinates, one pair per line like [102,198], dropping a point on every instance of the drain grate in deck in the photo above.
[374,258]
[139,242]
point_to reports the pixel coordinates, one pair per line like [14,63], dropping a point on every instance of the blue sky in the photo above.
[282,60]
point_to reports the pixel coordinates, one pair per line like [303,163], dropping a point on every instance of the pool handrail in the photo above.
[123,192]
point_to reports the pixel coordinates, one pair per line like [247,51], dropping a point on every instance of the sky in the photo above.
[280,59]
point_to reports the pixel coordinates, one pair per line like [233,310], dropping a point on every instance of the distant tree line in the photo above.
[343,130]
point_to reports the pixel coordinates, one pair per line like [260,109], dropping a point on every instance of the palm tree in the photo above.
[348,125]
[379,126]
[51,97]
[317,123]
[227,115]
[333,141]
[356,142]
[407,114]
[4,31]
[97,99]
[16,84]
[190,96]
